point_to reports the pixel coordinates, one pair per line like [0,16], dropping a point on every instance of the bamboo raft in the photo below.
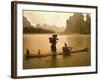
[50,54]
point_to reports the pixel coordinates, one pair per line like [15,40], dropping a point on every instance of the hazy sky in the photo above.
[50,18]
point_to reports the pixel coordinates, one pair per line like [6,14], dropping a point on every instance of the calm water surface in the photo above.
[34,42]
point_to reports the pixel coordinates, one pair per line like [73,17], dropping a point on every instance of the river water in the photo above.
[35,42]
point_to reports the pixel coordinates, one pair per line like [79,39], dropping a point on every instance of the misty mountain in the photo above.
[26,23]
[77,24]
[51,27]
[28,28]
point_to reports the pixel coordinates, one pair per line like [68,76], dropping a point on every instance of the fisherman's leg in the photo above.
[55,49]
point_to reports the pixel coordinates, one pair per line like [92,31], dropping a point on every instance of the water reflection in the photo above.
[35,42]
[53,60]
[79,41]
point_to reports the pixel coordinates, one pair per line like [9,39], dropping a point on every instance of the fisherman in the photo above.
[27,51]
[53,40]
[66,49]
[38,51]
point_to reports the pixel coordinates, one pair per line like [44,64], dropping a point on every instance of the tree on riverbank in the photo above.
[31,29]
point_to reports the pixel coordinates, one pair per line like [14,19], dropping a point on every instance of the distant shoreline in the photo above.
[59,33]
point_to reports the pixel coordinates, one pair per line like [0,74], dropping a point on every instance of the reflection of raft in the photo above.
[50,54]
